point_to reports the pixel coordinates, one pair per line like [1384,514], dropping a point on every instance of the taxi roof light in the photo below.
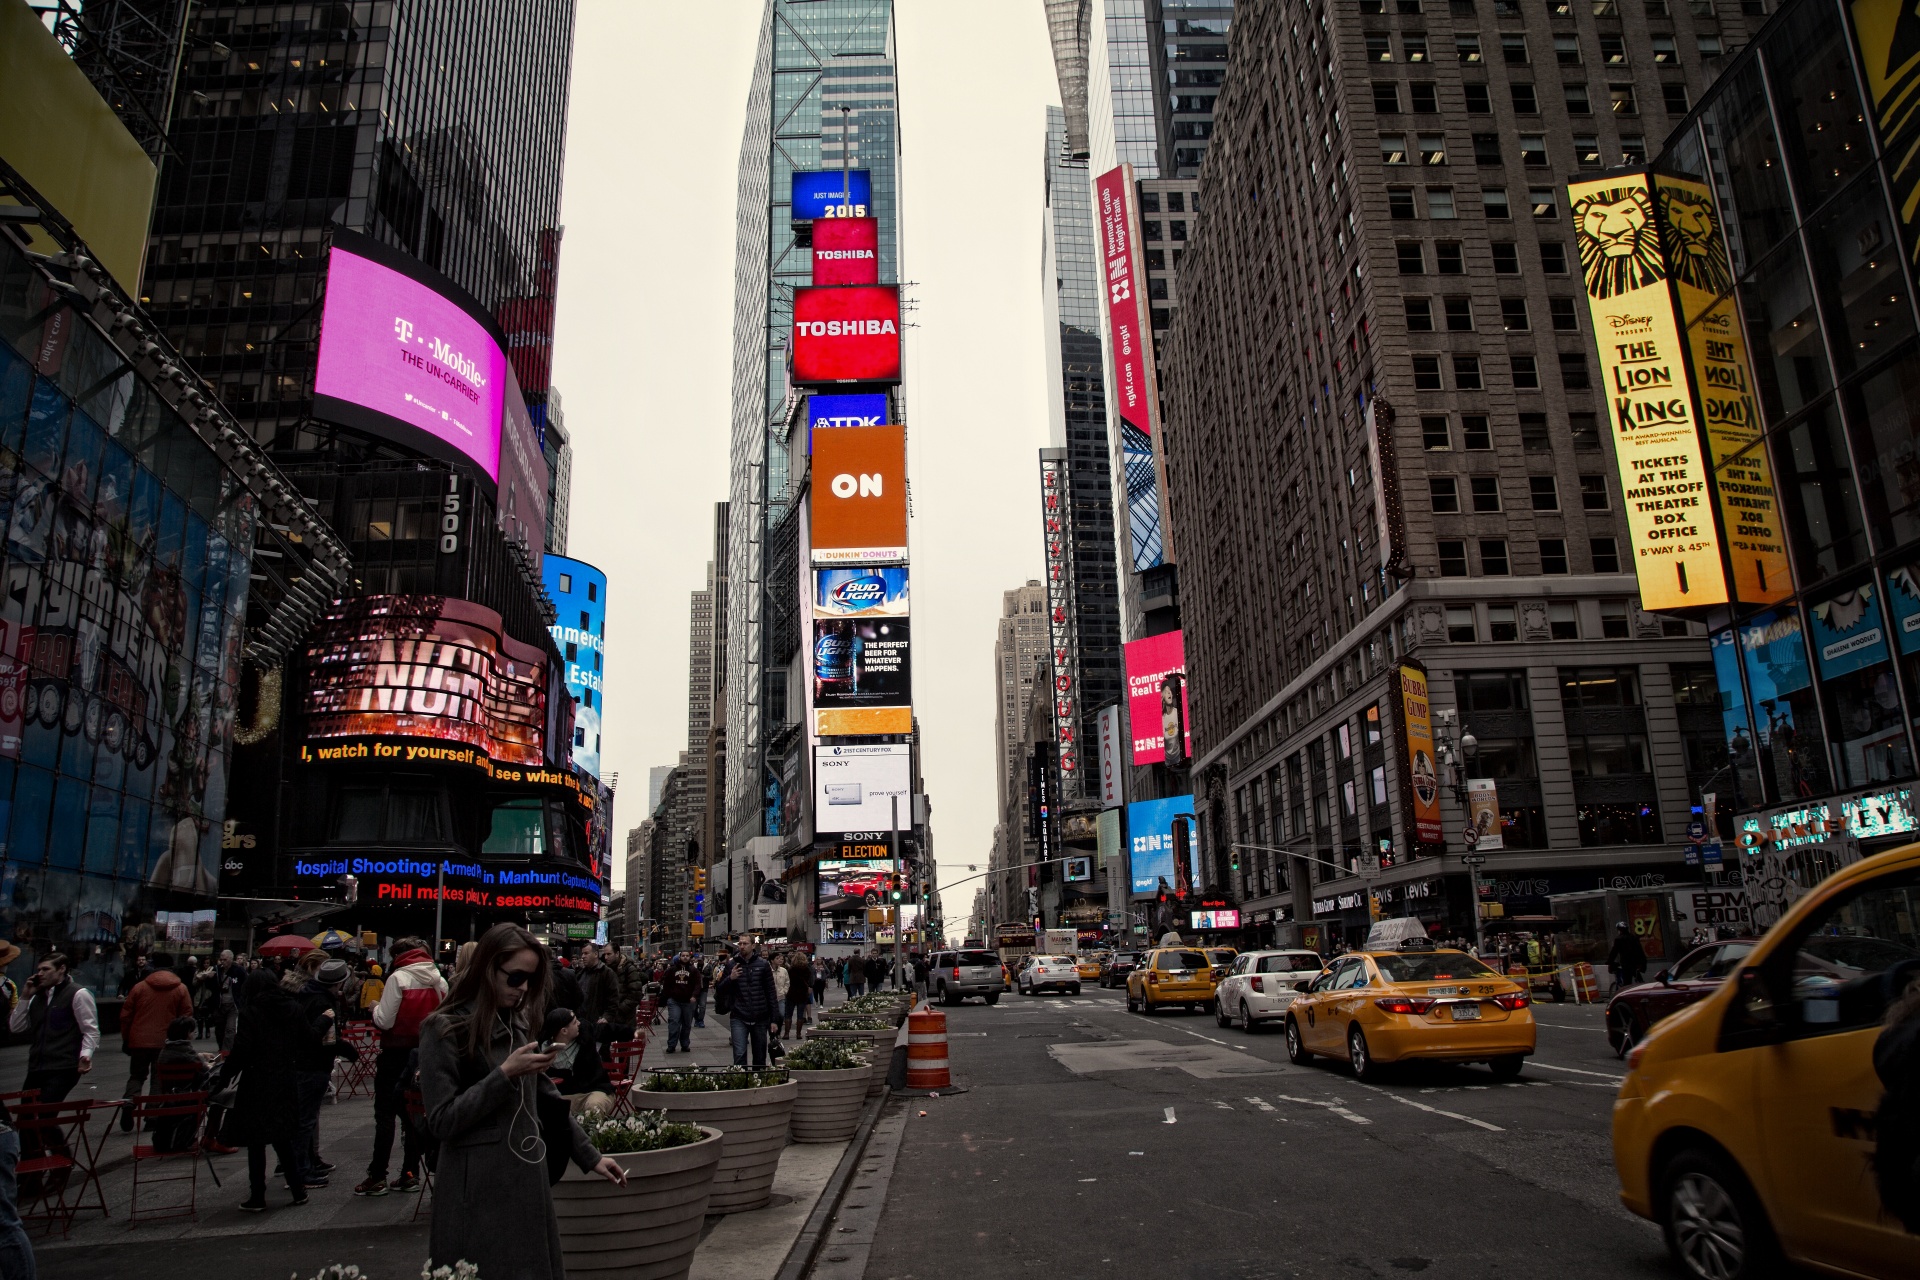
[1417,944]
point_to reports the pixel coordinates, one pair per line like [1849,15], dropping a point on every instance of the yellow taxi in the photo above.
[1089,967]
[1377,1007]
[1222,958]
[1746,1126]
[1168,976]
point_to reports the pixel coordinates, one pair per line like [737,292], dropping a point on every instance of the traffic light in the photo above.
[699,879]
[1233,858]
[894,888]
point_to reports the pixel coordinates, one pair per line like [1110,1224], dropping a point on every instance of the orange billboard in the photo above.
[859,495]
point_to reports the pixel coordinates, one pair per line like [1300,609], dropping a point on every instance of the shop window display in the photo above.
[1791,749]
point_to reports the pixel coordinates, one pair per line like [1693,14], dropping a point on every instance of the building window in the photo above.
[1544,492]
[1513,315]
[1613,620]
[1573,371]
[1524,103]
[1474,429]
[1586,151]
[1486,148]
[1439,202]
[1415,46]
[1460,624]
[1493,203]
[1533,432]
[1553,555]
[1526,373]
[1379,47]
[1566,50]
[1633,149]
[1393,149]
[1152,230]
[1459,315]
[1386,97]
[1466,373]
[1466,48]
[1506,258]
[1486,492]
[1664,54]
[1578,102]
[1618,822]
[1493,557]
[1513,47]
[1566,317]
[1585,428]
[1419,315]
[1553,257]
[1533,150]
[1563,620]
[1425,100]
[1433,148]
[1593,493]
[1710,46]
[1400,202]
[1444,493]
[1620,97]
[1613,50]
[1675,96]
[1435,434]
[1503,626]
[1544,201]
[1606,556]
[1479,102]
[1447,258]
[1453,558]
[1412,257]
[1426,373]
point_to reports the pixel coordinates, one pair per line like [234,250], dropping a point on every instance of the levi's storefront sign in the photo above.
[846,251]
[846,333]
[1657,445]
[859,495]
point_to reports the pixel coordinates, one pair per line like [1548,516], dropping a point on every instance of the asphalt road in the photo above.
[1090,1141]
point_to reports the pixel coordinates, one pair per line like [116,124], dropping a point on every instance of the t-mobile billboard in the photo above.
[1157,697]
[408,358]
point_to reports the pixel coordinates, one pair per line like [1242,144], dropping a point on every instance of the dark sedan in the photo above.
[1115,968]
[1633,1010]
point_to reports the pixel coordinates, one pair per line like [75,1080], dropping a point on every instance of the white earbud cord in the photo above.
[532,1142]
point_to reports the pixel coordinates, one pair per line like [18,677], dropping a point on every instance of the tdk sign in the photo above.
[847,411]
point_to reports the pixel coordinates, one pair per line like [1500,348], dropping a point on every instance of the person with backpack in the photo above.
[412,993]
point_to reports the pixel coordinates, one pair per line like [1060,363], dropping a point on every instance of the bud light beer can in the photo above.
[833,659]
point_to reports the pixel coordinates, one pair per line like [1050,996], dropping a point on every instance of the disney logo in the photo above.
[1627,322]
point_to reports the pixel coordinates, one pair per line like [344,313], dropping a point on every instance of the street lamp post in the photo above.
[1469,747]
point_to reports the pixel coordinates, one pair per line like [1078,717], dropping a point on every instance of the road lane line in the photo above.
[1578,1072]
[1334,1107]
[1207,1038]
[1264,1106]
[1421,1106]
[1169,1119]
[1224,1106]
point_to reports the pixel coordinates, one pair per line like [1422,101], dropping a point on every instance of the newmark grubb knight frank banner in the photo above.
[1657,442]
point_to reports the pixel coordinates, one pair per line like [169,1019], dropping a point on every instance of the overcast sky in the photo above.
[643,358]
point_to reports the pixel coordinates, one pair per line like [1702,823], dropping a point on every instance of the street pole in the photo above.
[1473,903]
[846,158]
[439,904]
[898,928]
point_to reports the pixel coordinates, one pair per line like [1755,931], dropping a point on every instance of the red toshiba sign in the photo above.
[846,333]
[846,251]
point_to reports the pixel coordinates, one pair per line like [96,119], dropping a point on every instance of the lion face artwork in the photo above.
[1695,256]
[1617,249]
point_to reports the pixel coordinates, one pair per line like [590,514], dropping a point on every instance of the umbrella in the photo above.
[287,944]
[334,940]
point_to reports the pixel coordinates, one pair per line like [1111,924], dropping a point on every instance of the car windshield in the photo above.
[1221,956]
[1695,966]
[1431,966]
[978,958]
[1180,960]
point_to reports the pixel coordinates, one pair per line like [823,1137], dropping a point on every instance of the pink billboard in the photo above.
[1157,705]
[1131,356]
[402,359]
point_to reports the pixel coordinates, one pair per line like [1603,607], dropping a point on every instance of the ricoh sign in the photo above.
[846,334]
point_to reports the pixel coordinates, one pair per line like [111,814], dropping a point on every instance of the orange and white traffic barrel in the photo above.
[1586,988]
[927,1050]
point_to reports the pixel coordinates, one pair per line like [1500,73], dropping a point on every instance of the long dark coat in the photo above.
[271,1035]
[492,1203]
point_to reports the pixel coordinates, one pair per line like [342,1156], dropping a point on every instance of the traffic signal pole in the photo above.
[898,927]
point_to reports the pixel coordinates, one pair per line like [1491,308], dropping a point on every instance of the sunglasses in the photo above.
[515,978]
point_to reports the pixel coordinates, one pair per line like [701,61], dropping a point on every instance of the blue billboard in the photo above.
[579,594]
[1150,846]
[853,593]
[816,192]
[847,411]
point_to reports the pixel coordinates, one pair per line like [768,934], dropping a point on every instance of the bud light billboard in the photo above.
[579,595]
[862,676]
[825,193]
[876,591]
[407,356]
[1150,846]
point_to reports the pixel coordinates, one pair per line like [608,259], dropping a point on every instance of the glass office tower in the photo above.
[1819,690]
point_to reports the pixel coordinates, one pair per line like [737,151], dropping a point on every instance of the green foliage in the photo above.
[856,1024]
[824,1054]
[641,1131]
[697,1080]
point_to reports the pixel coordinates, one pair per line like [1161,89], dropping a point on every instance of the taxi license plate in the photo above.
[1466,1013]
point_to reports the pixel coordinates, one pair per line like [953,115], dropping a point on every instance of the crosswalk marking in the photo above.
[1264,1106]
[1334,1107]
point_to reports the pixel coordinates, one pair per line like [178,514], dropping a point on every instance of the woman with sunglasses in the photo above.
[485,1090]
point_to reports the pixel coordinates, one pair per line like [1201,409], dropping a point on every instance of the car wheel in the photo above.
[1221,1018]
[993,997]
[1296,1047]
[1246,1020]
[1508,1068]
[1132,1005]
[1074,990]
[1360,1057]
[1620,1034]
[1146,1006]
[1714,1224]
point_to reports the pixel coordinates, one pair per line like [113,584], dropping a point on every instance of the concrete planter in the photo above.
[646,1230]
[828,1108]
[880,1051]
[753,1123]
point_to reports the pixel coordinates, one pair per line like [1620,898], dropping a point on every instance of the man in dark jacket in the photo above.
[320,1006]
[1626,958]
[876,971]
[599,998]
[754,1004]
[682,984]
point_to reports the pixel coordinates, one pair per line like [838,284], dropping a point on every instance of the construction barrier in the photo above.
[927,1050]
[1586,988]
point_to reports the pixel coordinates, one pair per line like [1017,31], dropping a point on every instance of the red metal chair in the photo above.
[646,1014]
[416,1107]
[183,1115]
[47,1190]
[356,1074]
[623,1068]
[11,1100]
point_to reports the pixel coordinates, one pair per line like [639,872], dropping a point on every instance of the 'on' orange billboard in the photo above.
[860,495]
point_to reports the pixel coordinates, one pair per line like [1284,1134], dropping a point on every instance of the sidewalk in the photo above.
[381,1234]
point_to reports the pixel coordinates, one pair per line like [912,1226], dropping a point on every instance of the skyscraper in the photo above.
[822,95]
[1019,651]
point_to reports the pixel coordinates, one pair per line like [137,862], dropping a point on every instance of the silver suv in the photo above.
[959,974]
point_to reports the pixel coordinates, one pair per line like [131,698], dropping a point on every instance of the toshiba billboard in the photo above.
[846,251]
[859,495]
[846,333]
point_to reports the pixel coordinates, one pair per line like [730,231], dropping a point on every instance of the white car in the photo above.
[1050,973]
[1259,987]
